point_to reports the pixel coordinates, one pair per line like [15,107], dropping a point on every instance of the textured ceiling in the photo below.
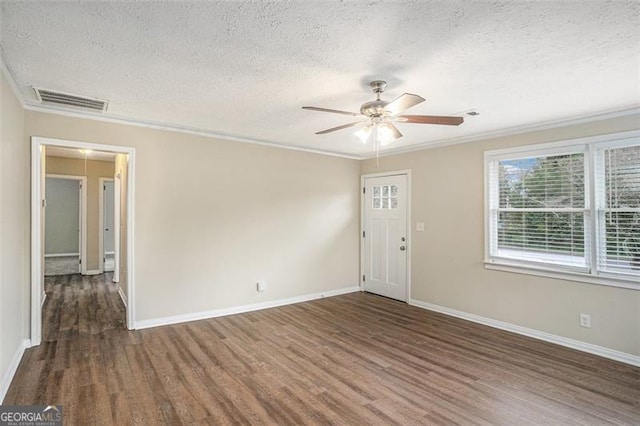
[245,69]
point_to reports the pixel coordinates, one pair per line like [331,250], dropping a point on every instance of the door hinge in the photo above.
[44,203]
[363,190]
[80,261]
[363,278]
[104,187]
[363,233]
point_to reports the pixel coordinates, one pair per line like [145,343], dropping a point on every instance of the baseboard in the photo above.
[11,370]
[47,256]
[156,322]
[122,296]
[93,272]
[536,334]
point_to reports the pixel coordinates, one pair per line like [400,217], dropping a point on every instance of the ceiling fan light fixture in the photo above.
[380,115]
[363,134]
[385,134]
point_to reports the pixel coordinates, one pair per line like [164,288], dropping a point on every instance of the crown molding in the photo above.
[510,131]
[29,106]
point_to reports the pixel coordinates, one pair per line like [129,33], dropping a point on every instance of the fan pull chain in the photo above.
[376,144]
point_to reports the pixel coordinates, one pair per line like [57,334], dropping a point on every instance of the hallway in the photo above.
[79,305]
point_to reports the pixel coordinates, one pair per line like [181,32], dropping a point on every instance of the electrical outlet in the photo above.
[261,286]
[585,320]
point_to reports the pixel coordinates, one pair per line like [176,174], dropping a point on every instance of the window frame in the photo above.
[589,146]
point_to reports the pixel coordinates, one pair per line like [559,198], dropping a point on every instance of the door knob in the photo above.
[402,248]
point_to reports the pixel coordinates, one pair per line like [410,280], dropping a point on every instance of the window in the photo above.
[568,207]
[618,200]
[385,197]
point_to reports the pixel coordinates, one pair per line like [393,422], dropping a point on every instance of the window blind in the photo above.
[538,212]
[618,201]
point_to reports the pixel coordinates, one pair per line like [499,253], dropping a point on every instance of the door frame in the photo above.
[363,178]
[83,219]
[38,145]
[116,247]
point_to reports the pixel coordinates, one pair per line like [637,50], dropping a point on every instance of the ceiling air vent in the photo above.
[67,99]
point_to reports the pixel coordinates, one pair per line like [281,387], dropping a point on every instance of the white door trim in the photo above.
[407,173]
[37,267]
[101,182]
[83,217]
[117,195]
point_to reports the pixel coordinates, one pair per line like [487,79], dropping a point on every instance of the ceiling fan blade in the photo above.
[431,119]
[334,129]
[335,111]
[394,130]
[387,133]
[403,103]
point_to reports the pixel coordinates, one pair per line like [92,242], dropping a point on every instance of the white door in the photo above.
[385,236]
[63,227]
[108,224]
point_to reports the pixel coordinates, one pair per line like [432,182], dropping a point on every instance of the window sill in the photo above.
[606,280]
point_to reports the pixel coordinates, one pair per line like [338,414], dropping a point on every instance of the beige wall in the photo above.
[447,258]
[213,217]
[94,171]
[14,229]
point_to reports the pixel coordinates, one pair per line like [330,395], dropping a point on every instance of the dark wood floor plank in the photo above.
[352,359]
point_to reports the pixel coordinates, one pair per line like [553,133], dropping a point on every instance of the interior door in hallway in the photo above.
[385,236]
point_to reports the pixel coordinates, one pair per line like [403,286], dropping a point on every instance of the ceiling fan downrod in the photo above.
[378,87]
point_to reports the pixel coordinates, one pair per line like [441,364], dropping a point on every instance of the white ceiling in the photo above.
[245,69]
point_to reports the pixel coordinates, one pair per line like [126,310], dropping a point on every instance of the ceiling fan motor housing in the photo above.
[374,108]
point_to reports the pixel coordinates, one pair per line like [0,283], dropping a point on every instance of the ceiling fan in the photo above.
[380,115]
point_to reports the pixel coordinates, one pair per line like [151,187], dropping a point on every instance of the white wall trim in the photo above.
[61,255]
[177,319]
[536,334]
[117,207]
[511,131]
[123,296]
[409,237]
[11,370]
[37,145]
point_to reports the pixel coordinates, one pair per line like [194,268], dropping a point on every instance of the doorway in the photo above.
[385,248]
[66,223]
[125,158]
[108,219]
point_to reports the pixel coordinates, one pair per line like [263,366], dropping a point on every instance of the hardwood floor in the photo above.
[352,359]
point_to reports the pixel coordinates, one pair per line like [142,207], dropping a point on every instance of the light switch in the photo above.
[420,226]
